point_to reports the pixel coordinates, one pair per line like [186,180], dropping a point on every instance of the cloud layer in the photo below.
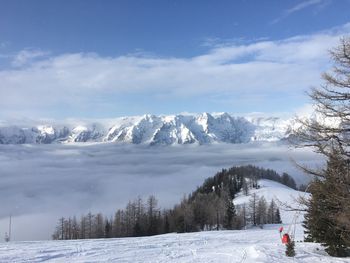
[254,74]
[40,183]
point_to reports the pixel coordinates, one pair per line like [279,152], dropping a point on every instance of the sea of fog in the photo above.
[40,183]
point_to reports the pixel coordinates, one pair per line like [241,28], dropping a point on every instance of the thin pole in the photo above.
[10,228]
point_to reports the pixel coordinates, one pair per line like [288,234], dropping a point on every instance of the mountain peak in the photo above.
[204,128]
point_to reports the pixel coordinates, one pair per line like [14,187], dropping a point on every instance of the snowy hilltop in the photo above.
[200,129]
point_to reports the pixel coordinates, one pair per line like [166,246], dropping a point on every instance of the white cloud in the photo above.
[303,5]
[90,81]
[26,56]
[319,4]
[305,110]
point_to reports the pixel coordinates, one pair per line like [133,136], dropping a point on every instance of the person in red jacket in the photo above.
[285,237]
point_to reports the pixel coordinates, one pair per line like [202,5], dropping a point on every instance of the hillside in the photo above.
[202,128]
[280,193]
[250,245]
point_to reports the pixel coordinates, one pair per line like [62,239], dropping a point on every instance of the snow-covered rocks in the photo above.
[154,130]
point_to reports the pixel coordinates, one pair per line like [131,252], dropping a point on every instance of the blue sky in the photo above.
[102,59]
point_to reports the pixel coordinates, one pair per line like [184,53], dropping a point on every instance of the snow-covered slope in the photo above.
[246,246]
[154,130]
[280,193]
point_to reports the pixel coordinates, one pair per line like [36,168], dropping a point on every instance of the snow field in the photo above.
[252,245]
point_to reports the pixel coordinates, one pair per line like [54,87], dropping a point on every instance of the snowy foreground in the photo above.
[252,245]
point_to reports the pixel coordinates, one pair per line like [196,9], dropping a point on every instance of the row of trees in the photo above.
[260,212]
[140,220]
[210,207]
[137,219]
[239,178]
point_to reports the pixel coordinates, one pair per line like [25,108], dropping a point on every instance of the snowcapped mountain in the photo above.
[203,128]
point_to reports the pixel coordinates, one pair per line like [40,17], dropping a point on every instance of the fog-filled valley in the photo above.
[40,183]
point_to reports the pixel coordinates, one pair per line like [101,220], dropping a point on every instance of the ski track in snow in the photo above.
[252,245]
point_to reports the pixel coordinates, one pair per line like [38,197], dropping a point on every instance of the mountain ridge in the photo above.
[204,128]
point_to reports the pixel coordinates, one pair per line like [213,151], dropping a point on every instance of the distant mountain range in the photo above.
[199,129]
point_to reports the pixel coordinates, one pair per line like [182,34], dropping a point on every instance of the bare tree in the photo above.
[98,226]
[89,221]
[328,133]
[152,212]
[245,186]
[253,207]
[117,224]
[83,228]
[75,228]
[330,128]
[261,211]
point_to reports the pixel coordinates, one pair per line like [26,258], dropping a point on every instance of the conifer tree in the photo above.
[108,229]
[166,224]
[290,249]
[271,212]
[277,219]
[230,214]
[324,208]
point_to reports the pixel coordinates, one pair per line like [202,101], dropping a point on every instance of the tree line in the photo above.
[209,207]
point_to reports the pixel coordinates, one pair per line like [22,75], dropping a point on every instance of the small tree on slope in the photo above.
[290,249]
[277,219]
[230,214]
